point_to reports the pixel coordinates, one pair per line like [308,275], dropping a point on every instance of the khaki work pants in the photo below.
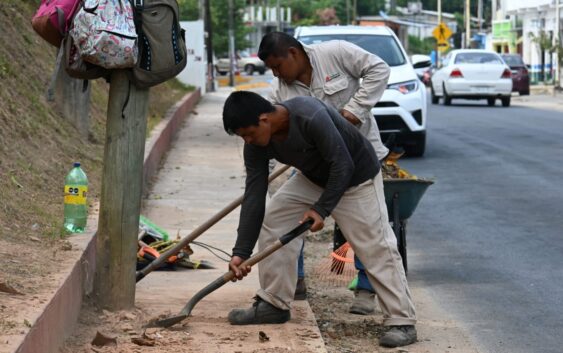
[362,216]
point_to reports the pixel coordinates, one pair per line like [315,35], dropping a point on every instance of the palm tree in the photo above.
[543,41]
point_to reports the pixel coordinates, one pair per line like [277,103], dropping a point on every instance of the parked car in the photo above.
[244,62]
[402,108]
[472,74]
[520,76]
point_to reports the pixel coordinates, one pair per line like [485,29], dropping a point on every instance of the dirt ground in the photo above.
[330,298]
[342,332]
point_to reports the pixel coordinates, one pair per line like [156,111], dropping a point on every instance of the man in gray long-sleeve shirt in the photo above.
[339,176]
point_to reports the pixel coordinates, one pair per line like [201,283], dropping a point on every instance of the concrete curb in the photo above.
[58,316]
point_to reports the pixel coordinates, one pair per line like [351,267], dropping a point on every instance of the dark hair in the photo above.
[277,44]
[242,109]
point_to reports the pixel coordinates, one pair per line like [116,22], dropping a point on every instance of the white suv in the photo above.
[402,108]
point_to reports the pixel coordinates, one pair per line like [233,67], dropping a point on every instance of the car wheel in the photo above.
[262,71]
[505,101]
[249,69]
[491,102]
[417,147]
[435,99]
[447,99]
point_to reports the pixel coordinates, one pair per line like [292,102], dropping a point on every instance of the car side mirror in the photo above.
[421,61]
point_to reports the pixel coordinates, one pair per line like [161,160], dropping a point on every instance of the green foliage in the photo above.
[424,46]
[306,13]
[545,44]
[370,8]
[189,11]
[220,16]
[542,40]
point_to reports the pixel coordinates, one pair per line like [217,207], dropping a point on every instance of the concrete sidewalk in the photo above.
[202,173]
[540,101]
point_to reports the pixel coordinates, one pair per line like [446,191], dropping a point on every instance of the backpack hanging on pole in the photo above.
[53,18]
[162,43]
[75,67]
[104,33]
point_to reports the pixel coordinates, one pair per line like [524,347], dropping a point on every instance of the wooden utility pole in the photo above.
[557,41]
[467,24]
[438,65]
[209,47]
[231,39]
[278,16]
[120,203]
[480,14]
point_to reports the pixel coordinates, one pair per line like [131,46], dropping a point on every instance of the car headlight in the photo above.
[405,87]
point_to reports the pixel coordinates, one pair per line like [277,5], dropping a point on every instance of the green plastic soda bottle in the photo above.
[76,207]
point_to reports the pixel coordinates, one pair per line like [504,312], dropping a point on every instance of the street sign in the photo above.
[442,32]
[443,46]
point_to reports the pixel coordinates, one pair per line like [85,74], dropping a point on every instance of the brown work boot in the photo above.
[364,303]
[300,290]
[261,312]
[398,336]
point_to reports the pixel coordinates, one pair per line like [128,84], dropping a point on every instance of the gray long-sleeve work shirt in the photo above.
[327,149]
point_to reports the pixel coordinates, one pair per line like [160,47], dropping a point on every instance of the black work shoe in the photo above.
[364,302]
[261,312]
[300,290]
[398,336]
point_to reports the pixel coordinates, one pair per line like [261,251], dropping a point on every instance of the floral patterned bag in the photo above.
[104,33]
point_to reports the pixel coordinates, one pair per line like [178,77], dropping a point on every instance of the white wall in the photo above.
[196,68]
[511,5]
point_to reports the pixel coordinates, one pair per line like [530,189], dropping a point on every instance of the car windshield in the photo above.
[513,60]
[383,46]
[477,58]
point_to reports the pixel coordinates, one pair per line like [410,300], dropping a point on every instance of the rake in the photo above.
[337,269]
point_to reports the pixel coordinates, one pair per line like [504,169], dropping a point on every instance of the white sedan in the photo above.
[472,74]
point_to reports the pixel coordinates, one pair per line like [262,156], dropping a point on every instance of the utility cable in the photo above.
[212,250]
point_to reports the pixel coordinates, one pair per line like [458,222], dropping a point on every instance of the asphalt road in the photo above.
[487,237]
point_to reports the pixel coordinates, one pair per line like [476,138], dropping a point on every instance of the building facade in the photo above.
[529,28]
[265,19]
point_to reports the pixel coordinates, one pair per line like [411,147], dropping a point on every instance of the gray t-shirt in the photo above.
[326,148]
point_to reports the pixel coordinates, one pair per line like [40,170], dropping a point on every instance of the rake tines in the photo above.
[337,269]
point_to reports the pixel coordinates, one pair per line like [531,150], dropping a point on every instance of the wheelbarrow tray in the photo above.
[407,191]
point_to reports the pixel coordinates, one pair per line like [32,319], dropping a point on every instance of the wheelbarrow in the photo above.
[402,196]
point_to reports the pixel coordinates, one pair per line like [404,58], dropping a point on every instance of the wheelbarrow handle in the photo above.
[198,231]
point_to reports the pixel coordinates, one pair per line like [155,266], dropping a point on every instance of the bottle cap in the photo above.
[76,164]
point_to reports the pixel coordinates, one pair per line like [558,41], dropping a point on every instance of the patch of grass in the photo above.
[162,98]
[5,69]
